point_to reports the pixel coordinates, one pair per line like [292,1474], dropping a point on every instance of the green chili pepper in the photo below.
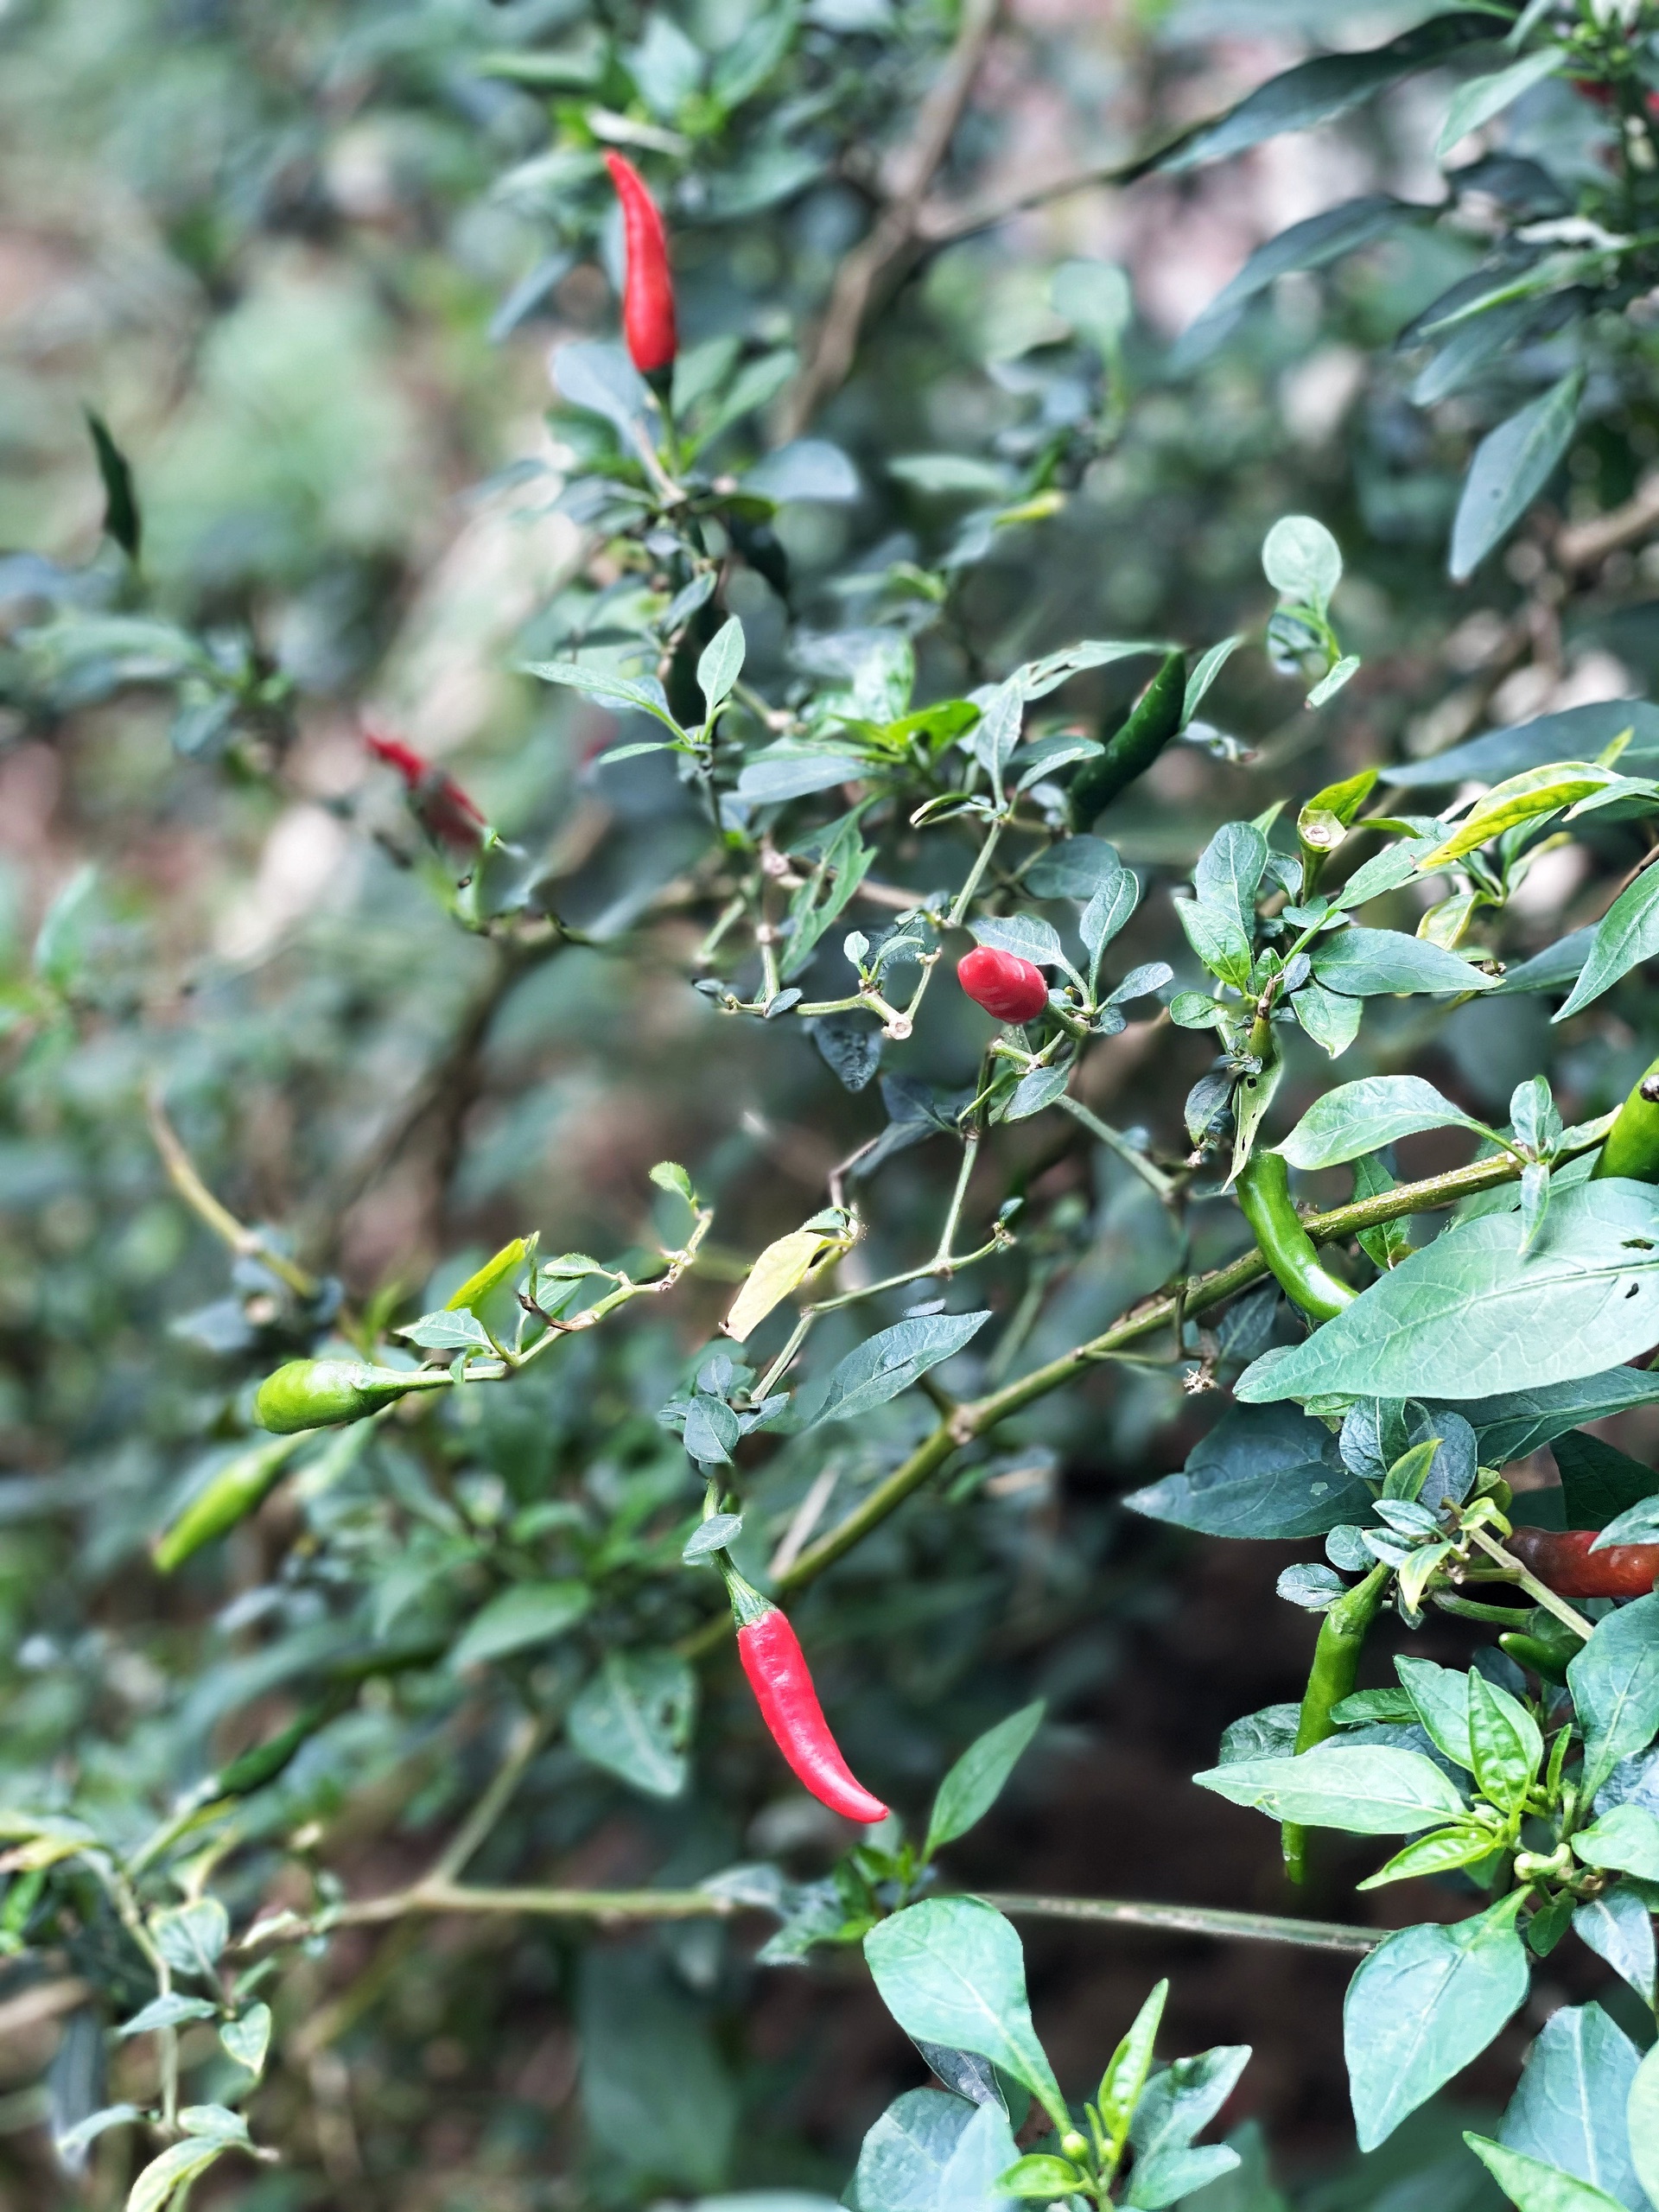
[234,1492]
[1632,1146]
[264,1762]
[321,1393]
[1543,1658]
[1155,720]
[1264,1193]
[1332,1677]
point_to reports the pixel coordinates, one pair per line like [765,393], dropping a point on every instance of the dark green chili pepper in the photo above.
[264,1762]
[1264,1193]
[235,1491]
[321,1393]
[1155,718]
[1332,1677]
[1632,1146]
[1543,1658]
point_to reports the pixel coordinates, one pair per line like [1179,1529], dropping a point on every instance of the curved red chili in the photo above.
[648,295]
[440,806]
[1011,988]
[782,1682]
[1563,1562]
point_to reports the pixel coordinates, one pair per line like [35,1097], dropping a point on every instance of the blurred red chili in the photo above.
[440,806]
[1011,988]
[648,294]
[782,1682]
[1563,1562]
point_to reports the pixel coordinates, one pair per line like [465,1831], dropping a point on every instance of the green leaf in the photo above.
[1097,298]
[1075,868]
[1108,909]
[1218,939]
[1512,464]
[931,2152]
[1618,1927]
[1535,2187]
[1504,1740]
[1447,1849]
[601,379]
[170,2010]
[1641,2116]
[951,1970]
[1422,2006]
[1568,2111]
[1482,97]
[1627,934]
[891,1361]
[1265,1472]
[633,1718]
[1175,2105]
[1370,964]
[191,1936]
[247,2039]
[1229,873]
[122,519]
[1125,2077]
[712,1430]
[1625,1838]
[658,2099]
[1366,1789]
[1314,92]
[755,55]
[1469,1314]
[1364,1117]
[162,2177]
[1520,798]
[1028,937]
[447,1332]
[976,1782]
[1329,1019]
[1039,2174]
[669,1175]
[528,1613]
[720,663]
[1518,1422]
[808,468]
[1615,1686]
[1439,1697]
[623,693]
[60,941]
[1311,244]
[1302,561]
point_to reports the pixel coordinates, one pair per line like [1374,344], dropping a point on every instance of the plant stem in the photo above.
[1193,1919]
[527,1739]
[1150,1173]
[1539,1592]
[247,1242]
[963,899]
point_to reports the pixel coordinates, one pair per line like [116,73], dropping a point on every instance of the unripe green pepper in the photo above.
[1632,1146]
[263,1763]
[321,1392]
[236,1490]
[1332,1677]
[1155,720]
[1264,1194]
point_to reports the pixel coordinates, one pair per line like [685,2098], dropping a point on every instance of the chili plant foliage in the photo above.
[802,791]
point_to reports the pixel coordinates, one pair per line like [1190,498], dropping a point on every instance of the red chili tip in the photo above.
[1012,988]
[782,1682]
[440,805]
[648,322]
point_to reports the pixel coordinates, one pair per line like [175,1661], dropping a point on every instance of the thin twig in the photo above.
[527,1739]
[893,233]
[1148,1170]
[1194,1920]
[248,1244]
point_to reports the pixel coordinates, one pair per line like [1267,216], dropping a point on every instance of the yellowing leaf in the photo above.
[1518,798]
[478,1287]
[782,1267]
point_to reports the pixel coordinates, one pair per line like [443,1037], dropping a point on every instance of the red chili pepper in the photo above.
[440,806]
[648,294]
[778,1675]
[1563,1562]
[1011,988]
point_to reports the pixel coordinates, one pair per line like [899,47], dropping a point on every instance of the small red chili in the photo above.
[782,1682]
[440,806]
[1563,1562]
[1011,988]
[648,295]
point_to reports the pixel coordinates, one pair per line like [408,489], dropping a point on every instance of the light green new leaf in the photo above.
[1302,561]
[1367,1788]
[1361,1117]
[720,663]
[1126,2073]
[1615,1686]
[1470,1316]
[1519,798]
[1504,1742]
[1535,2187]
[248,2038]
[1422,2006]
[1627,934]
[1512,466]
[162,2178]
[976,1782]
[952,1971]
[1482,97]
